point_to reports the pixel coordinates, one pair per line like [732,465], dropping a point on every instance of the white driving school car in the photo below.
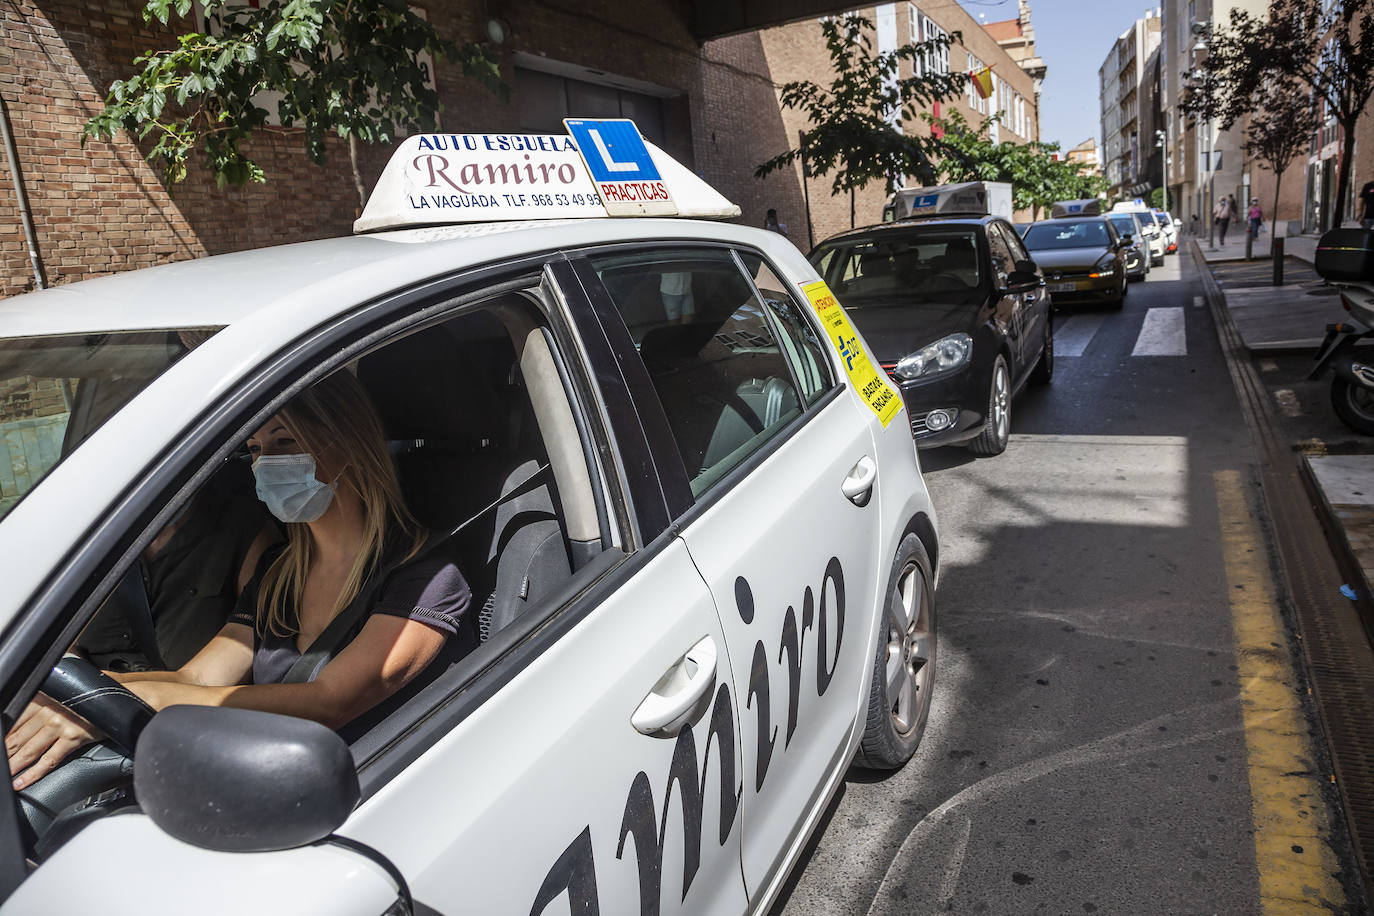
[701,553]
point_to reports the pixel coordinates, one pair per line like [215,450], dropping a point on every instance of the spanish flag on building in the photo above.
[982,82]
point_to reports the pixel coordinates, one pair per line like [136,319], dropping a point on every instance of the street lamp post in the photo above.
[1162,141]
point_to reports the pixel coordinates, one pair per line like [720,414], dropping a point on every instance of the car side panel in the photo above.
[547,799]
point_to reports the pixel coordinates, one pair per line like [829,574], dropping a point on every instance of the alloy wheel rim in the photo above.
[1001,403]
[1361,401]
[909,646]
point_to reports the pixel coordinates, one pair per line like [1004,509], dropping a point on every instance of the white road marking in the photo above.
[1268,365]
[1198,302]
[1073,336]
[1288,402]
[1162,334]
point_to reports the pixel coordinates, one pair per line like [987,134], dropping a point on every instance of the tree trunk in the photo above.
[1274,213]
[1343,175]
[357,175]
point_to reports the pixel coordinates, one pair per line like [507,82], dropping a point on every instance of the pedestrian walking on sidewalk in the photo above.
[1256,216]
[1367,198]
[1221,216]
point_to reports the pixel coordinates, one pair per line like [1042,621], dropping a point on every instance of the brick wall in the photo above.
[102,209]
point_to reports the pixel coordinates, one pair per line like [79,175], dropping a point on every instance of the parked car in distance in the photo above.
[1083,259]
[956,311]
[1166,223]
[1158,243]
[1128,226]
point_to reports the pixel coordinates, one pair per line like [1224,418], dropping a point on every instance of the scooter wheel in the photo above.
[1354,405]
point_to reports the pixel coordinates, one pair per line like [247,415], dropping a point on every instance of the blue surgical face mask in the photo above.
[287,484]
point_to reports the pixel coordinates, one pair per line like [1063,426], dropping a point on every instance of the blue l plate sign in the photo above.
[621,166]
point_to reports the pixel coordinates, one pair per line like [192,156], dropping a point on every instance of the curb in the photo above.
[1339,541]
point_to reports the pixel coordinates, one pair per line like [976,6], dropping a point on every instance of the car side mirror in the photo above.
[237,780]
[1127,240]
[1025,266]
[1019,280]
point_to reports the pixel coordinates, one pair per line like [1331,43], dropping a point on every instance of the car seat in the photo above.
[471,460]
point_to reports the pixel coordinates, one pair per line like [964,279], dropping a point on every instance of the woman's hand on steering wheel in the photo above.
[46,734]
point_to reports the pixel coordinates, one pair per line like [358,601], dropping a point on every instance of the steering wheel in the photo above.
[949,279]
[96,781]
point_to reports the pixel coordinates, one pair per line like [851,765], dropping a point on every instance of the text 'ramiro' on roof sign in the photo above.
[436,179]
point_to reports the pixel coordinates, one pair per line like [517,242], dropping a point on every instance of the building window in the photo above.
[930,31]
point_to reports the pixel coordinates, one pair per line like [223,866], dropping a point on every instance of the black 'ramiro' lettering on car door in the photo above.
[574,872]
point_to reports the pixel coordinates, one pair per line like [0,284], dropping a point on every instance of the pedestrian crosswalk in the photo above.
[1162,333]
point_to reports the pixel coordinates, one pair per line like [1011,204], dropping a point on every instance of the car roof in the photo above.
[919,222]
[1072,219]
[331,275]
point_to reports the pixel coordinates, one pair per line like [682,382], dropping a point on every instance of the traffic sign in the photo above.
[621,166]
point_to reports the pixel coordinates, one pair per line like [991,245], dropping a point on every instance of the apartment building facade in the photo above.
[796,51]
[1125,146]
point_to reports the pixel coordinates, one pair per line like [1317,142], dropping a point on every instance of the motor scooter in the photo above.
[1345,259]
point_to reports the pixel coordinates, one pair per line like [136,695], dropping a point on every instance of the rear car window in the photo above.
[56,391]
[711,351]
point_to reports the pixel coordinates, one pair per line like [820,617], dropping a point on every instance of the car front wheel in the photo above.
[904,670]
[997,425]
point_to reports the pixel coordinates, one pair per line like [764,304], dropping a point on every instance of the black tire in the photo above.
[997,420]
[891,734]
[1044,369]
[1354,405]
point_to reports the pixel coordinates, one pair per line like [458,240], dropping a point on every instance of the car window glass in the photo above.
[56,391]
[1018,251]
[710,351]
[1002,261]
[799,339]
[939,263]
[1084,234]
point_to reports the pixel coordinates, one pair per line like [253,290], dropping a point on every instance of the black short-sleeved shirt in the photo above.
[430,590]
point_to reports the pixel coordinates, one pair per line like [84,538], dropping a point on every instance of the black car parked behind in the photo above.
[956,312]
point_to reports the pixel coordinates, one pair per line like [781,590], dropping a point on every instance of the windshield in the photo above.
[1125,225]
[56,391]
[940,263]
[1079,234]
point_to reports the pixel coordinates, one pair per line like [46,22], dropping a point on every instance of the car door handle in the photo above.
[858,486]
[674,698]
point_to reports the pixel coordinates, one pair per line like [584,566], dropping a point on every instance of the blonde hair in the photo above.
[334,416]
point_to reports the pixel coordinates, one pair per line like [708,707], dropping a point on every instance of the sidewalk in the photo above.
[1346,486]
[1289,317]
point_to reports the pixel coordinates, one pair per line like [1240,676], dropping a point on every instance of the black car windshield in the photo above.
[1124,225]
[939,263]
[1078,234]
[56,391]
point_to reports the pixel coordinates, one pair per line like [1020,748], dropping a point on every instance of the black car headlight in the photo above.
[945,355]
[1105,266]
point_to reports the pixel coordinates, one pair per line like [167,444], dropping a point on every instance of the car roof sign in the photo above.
[1089,206]
[438,179]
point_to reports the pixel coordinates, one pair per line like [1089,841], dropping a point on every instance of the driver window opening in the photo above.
[480,430]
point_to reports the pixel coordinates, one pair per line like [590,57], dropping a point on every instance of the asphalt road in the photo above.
[1088,749]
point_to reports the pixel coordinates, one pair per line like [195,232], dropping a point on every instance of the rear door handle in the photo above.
[674,698]
[858,485]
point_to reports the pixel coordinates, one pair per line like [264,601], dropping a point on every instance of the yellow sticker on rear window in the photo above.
[869,381]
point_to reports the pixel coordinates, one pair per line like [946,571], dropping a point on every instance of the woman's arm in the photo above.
[384,657]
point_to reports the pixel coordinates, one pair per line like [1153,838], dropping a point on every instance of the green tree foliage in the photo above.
[1323,47]
[1037,178]
[349,67]
[851,130]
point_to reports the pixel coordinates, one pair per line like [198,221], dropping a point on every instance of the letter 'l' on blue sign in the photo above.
[613,150]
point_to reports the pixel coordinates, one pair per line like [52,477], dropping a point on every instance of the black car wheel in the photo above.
[997,425]
[904,670]
[1044,370]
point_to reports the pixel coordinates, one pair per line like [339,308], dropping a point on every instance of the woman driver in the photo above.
[322,467]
